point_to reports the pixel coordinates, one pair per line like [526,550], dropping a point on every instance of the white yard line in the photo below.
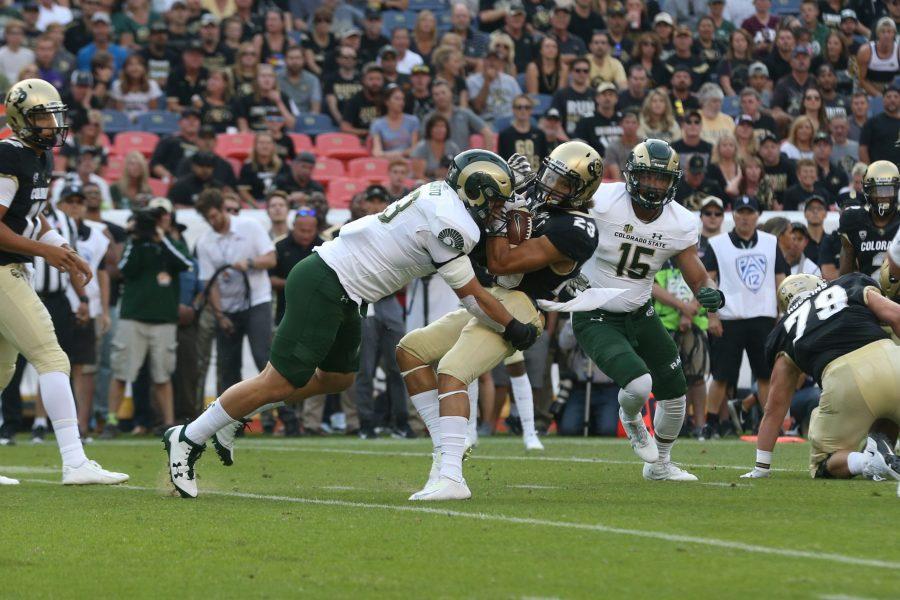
[532,486]
[592,527]
[726,484]
[23,469]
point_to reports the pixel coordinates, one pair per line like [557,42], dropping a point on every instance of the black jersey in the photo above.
[831,322]
[869,242]
[31,173]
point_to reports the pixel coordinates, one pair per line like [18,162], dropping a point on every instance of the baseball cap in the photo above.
[693,113]
[744,120]
[208,19]
[373,14]
[606,86]
[696,164]
[177,4]
[515,7]
[350,32]
[768,136]
[101,17]
[372,67]
[377,191]
[385,50]
[746,202]
[813,198]
[801,227]
[682,67]
[421,69]
[72,190]
[82,78]
[159,27]
[758,68]
[204,159]
[712,200]
[306,157]
[893,87]
[821,136]
[163,203]
[802,49]
[194,45]
[552,114]
[663,17]
[565,5]
[683,30]
[616,9]
[848,13]
[190,112]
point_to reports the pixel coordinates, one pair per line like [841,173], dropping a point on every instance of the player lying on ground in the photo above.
[833,332]
[316,346]
[640,229]
[564,236]
[38,119]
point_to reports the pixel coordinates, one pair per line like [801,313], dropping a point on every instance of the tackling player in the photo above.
[640,229]
[564,237]
[866,231]
[316,347]
[37,117]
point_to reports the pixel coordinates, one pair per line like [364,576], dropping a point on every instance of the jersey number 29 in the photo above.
[827,303]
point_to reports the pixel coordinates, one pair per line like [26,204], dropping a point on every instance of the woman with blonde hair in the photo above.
[448,65]
[647,52]
[133,181]
[243,72]
[657,118]
[259,171]
[753,182]
[503,45]
[424,35]
[546,74]
[745,135]
[267,101]
[799,142]
[723,164]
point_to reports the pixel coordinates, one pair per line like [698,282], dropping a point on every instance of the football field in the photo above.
[328,518]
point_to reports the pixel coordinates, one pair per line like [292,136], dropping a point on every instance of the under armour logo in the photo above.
[179,470]
[657,236]
[597,319]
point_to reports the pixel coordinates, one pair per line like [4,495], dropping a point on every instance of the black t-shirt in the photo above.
[319,52]
[418,107]
[584,27]
[286,183]
[119,236]
[782,176]
[788,94]
[870,242]
[360,111]
[31,172]
[698,67]
[257,182]
[626,100]
[795,196]
[186,189]
[170,151]
[573,106]
[683,106]
[532,144]
[342,87]
[659,75]
[219,118]
[526,49]
[763,124]
[180,88]
[881,135]
[287,254]
[161,66]
[778,67]
[686,152]
[829,323]
[835,181]
[258,110]
[219,58]
[368,48]
[690,197]
[599,131]
[222,171]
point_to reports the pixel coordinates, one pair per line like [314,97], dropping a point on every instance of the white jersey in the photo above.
[631,252]
[379,254]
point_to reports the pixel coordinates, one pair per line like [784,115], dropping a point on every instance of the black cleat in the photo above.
[38,434]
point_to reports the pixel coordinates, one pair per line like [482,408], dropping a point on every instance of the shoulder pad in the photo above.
[687,220]
[853,216]
[451,224]
[607,195]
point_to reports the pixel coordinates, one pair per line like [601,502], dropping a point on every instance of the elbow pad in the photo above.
[471,305]
[457,272]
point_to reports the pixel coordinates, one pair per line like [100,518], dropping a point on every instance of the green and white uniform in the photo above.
[632,341]
[373,257]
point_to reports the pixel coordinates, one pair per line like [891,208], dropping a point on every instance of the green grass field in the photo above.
[329,518]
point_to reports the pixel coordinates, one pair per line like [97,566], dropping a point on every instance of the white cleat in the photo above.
[881,462]
[90,473]
[435,472]
[182,454]
[640,438]
[757,473]
[223,442]
[8,481]
[444,489]
[532,441]
[666,472]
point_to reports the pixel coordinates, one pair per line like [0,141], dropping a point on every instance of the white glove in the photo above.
[756,473]
[522,170]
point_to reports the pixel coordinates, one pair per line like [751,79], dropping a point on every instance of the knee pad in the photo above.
[412,343]
[50,360]
[635,394]
[669,418]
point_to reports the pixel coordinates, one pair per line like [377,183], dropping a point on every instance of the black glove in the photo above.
[521,335]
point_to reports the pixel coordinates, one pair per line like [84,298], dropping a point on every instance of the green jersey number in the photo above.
[388,214]
[636,269]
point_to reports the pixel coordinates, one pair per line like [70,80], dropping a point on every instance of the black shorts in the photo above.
[739,336]
[84,344]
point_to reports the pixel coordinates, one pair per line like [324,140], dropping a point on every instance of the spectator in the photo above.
[277,209]
[44,55]
[745,136]
[852,195]
[570,46]
[85,172]
[169,151]
[522,136]
[273,41]
[620,149]
[102,33]
[134,92]
[502,44]
[795,252]
[690,143]
[553,129]
[647,53]
[419,101]
[790,90]
[267,101]
[715,123]
[707,46]
[435,145]
[603,66]
[749,268]
[475,43]
[724,168]
[762,23]
[800,139]
[684,57]
[223,172]
[243,72]
[547,73]
[365,106]
[657,120]
[832,177]
[299,179]
[695,185]
[750,107]
[779,60]
[189,80]
[14,55]
[850,29]
[132,182]
[257,177]
[664,27]
[180,38]
[187,189]
[878,138]
[320,41]
[814,212]
[406,58]
[637,16]
[149,268]
[807,186]
[859,114]
[809,18]
[760,83]
[877,61]
[682,99]
[755,183]
[779,169]
[712,215]
[585,21]
[161,59]
[342,85]
[621,42]
[87,136]
[216,55]
[836,62]
[575,101]
[387,58]
[449,66]
[515,26]
[235,256]
[291,249]
[372,39]
[78,34]
[635,91]
[398,173]
[814,108]
[463,122]
[844,150]
[491,92]
[216,107]
[30,16]
[394,134]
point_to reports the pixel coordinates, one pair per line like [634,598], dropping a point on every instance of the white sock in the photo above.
[472,430]
[213,419]
[429,408]
[56,392]
[453,444]
[667,425]
[856,462]
[521,389]
[40,422]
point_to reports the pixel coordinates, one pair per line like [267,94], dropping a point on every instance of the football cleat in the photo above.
[90,473]
[666,472]
[532,442]
[443,489]
[736,410]
[223,441]
[183,454]
[640,439]
[881,462]
[8,481]
[38,434]
[757,473]
[435,472]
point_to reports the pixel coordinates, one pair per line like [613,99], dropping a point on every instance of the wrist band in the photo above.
[53,238]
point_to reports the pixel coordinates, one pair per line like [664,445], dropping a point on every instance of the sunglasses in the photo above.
[712,213]
[305,212]
[233,210]
[693,122]
[813,97]
[581,70]
[522,107]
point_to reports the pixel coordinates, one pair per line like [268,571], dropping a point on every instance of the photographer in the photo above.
[148,313]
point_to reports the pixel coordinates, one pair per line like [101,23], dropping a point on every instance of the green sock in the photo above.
[112,419]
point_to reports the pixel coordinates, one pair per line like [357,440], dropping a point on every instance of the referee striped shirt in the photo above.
[47,280]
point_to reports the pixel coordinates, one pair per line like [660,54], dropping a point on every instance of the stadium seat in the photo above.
[342,190]
[160,122]
[432,5]
[340,145]
[234,145]
[731,105]
[327,169]
[501,123]
[141,141]
[114,167]
[369,168]
[520,79]
[542,103]
[115,121]
[302,142]
[876,105]
[476,140]
[392,19]
[786,7]
[158,186]
[105,141]
[311,124]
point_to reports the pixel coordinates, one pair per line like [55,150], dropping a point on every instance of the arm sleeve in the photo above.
[205,265]
[130,264]
[262,243]
[775,343]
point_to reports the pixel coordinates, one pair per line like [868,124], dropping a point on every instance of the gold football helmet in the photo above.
[480,177]
[36,114]
[890,287]
[796,286]
[652,174]
[570,176]
[881,184]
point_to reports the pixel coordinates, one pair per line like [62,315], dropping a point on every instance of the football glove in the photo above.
[521,336]
[522,170]
[572,287]
[711,299]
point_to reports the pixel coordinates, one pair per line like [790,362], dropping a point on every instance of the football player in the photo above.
[37,118]
[316,346]
[866,231]
[833,332]
[640,229]
[540,268]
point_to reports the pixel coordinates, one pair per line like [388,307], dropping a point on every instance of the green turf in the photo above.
[576,532]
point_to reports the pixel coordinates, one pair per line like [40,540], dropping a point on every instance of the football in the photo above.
[518,226]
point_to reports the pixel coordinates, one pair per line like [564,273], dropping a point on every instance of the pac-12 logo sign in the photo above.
[752,270]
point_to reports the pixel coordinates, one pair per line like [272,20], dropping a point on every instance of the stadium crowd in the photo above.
[306,109]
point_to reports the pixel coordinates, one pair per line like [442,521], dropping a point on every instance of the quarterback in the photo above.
[37,117]
[316,346]
[539,268]
[640,229]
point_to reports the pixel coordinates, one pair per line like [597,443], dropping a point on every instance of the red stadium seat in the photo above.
[115,164]
[340,145]
[234,145]
[158,186]
[370,168]
[327,169]
[476,140]
[302,142]
[342,190]
[141,141]
[105,141]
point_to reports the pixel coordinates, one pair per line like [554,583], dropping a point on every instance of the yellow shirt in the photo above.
[213,7]
[713,129]
[610,70]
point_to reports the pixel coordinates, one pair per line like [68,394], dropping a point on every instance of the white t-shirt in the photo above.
[12,63]
[409,60]
[245,238]
[55,14]
[93,249]
[135,103]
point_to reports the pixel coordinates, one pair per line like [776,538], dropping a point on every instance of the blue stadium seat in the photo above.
[115,121]
[160,122]
[542,103]
[432,5]
[876,105]
[314,124]
[786,7]
[521,79]
[392,19]
[731,106]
